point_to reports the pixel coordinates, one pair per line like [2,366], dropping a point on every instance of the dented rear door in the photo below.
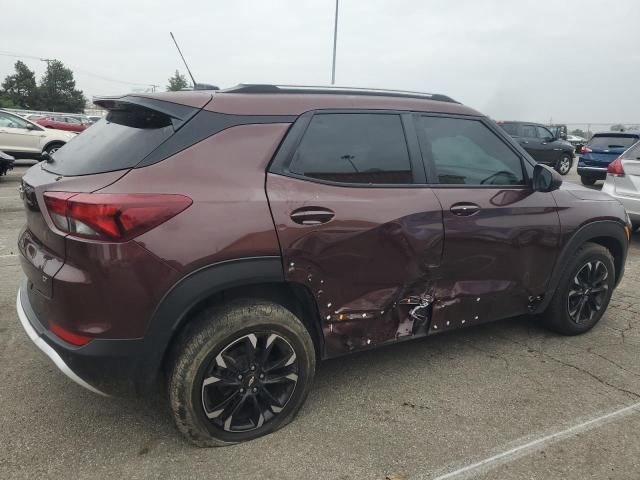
[355,229]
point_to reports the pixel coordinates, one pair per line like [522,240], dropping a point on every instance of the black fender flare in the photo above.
[610,229]
[192,289]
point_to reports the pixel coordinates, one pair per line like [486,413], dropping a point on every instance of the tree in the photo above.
[19,90]
[177,82]
[57,89]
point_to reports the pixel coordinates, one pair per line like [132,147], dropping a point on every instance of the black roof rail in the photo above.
[380,92]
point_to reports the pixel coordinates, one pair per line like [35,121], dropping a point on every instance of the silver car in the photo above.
[623,182]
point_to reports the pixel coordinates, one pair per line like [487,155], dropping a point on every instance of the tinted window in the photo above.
[354,148]
[510,128]
[128,135]
[612,141]
[467,152]
[633,153]
[529,131]
[543,133]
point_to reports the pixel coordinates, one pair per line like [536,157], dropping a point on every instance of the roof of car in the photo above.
[630,133]
[260,99]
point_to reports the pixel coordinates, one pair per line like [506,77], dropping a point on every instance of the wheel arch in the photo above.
[51,143]
[608,233]
[254,277]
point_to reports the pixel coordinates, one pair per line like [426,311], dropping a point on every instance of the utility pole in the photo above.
[335,41]
[153,88]
[51,79]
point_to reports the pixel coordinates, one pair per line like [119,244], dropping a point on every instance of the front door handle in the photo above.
[464,209]
[312,215]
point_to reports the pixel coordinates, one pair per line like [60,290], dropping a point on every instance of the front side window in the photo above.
[544,134]
[365,148]
[467,152]
[12,121]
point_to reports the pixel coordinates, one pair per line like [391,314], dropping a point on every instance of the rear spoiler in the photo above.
[179,114]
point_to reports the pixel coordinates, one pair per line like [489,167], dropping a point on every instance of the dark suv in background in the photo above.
[542,144]
[226,242]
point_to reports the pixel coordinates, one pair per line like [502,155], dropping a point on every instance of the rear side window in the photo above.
[128,135]
[612,141]
[466,152]
[510,128]
[354,148]
[633,153]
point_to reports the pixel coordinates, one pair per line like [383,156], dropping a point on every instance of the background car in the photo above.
[623,182]
[600,151]
[25,139]
[6,163]
[65,122]
[541,144]
[94,118]
[577,142]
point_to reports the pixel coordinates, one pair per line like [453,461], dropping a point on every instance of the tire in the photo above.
[587,180]
[558,316]
[220,341]
[52,148]
[565,162]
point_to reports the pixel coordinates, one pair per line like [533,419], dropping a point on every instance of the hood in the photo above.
[583,193]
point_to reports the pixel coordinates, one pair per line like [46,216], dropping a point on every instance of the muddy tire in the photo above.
[583,293]
[239,371]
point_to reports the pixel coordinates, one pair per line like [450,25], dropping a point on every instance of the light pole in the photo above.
[335,40]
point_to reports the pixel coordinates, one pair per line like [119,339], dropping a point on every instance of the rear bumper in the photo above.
[105,367]
[599,173]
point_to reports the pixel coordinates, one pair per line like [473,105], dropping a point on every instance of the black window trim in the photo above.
[499,133]
[290,143]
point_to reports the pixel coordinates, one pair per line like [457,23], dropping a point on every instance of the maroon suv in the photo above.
[226,241]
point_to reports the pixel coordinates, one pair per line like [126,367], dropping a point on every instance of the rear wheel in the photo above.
[564,164]
[583,293]
[587,180]
[241,371]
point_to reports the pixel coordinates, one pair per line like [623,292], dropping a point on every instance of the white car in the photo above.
[24,139]
[623,182]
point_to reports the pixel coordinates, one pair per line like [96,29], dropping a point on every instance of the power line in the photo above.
[79,70]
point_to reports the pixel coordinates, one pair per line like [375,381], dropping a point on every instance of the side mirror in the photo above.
[30,126]
[545,179]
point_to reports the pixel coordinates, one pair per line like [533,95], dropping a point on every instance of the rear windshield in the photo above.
[612,141]
[120,141]
[633,153]
[510,128]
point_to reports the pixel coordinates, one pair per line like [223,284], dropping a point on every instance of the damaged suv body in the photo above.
[228,241]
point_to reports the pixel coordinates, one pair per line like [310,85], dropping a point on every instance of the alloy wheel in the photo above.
[565,165]
[588,292]
[249,382]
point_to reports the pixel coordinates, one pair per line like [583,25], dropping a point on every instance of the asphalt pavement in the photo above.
[507,400]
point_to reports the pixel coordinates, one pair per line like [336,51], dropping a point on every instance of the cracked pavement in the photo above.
[415,410]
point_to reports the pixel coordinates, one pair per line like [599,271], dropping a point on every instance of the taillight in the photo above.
[586,150]
[615,168]
[68,336]
[114,217]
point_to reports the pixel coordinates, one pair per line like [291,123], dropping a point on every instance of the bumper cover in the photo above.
[105,367]
[599,173]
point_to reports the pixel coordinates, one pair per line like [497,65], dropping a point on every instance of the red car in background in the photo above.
[64,122]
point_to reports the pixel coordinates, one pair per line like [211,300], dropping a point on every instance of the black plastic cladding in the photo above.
[203,125]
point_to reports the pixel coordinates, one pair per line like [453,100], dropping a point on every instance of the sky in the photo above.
[573,61]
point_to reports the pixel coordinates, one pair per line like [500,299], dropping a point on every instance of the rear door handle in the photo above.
[464,209]
[312,215]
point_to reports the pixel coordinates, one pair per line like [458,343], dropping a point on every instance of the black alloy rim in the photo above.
[250,382]
[588,292]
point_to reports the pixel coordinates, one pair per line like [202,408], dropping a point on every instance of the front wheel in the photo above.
[564,164]
[240,371]
[584,291]
[53,148]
